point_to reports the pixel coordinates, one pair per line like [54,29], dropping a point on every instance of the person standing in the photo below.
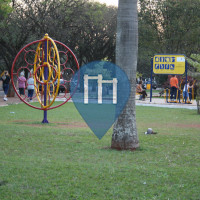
[185,91]
[190,87]
[174,87]
[6,80]
[30,87]
[21,84]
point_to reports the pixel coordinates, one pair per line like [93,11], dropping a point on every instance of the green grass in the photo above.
[64,160]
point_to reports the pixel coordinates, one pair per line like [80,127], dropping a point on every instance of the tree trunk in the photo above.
[125,135]
[196,75]
[11,91]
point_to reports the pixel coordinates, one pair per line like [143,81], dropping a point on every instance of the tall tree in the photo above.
[125,135]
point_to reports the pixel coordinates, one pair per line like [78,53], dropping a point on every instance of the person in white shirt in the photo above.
[185,90]
[30,87]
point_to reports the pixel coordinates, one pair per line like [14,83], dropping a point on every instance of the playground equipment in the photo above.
[50,62]
[169,64]
[179,96]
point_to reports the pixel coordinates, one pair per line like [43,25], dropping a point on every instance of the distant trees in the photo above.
[4,8]
[87,28]
[167,26]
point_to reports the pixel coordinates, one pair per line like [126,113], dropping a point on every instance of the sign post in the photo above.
[151,78]
[168,64]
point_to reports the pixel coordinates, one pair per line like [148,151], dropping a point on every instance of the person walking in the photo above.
[22,84]
[30,87]
[6,80]
[174,87]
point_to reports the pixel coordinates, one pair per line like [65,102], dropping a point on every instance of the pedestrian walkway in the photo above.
[160,102]
[11,100]
[156,102]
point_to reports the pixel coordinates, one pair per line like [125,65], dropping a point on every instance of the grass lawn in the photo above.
[64,160]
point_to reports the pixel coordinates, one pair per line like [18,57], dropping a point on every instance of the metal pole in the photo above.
[45,77]
[167,93]
[186,80]
[151,78]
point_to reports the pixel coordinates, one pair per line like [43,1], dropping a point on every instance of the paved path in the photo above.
[156,102]
[11,100]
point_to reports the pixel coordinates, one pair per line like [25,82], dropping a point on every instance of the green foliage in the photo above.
[194,64]
[99,69]
[169,27]
[196,57]
[65,160]
[194,61]
[88,28]
[138,75]
[5,8]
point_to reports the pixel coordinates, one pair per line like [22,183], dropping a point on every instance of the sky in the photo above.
[109,2]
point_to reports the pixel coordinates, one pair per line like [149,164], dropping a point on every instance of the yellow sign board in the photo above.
[169,64]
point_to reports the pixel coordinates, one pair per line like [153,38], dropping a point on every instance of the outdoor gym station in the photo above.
[171,65]
[48,61]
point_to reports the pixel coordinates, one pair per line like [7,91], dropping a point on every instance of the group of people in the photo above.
[5,77]
[187,89]
[22,85]
[174,86]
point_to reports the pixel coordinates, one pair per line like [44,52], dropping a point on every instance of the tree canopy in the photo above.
[5,8]
[167,26]
[89,28]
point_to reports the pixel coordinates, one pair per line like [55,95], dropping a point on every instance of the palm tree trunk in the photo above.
[125,135]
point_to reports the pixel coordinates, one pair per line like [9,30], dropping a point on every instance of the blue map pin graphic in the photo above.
[100,90]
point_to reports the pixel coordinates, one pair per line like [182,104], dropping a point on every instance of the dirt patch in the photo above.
[11,100]
[52,124]
[157,125]
[73,125]
[188,125]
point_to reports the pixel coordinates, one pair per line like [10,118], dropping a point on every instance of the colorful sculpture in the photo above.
[52,65]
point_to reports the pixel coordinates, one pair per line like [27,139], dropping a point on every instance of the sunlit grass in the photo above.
[65,160]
